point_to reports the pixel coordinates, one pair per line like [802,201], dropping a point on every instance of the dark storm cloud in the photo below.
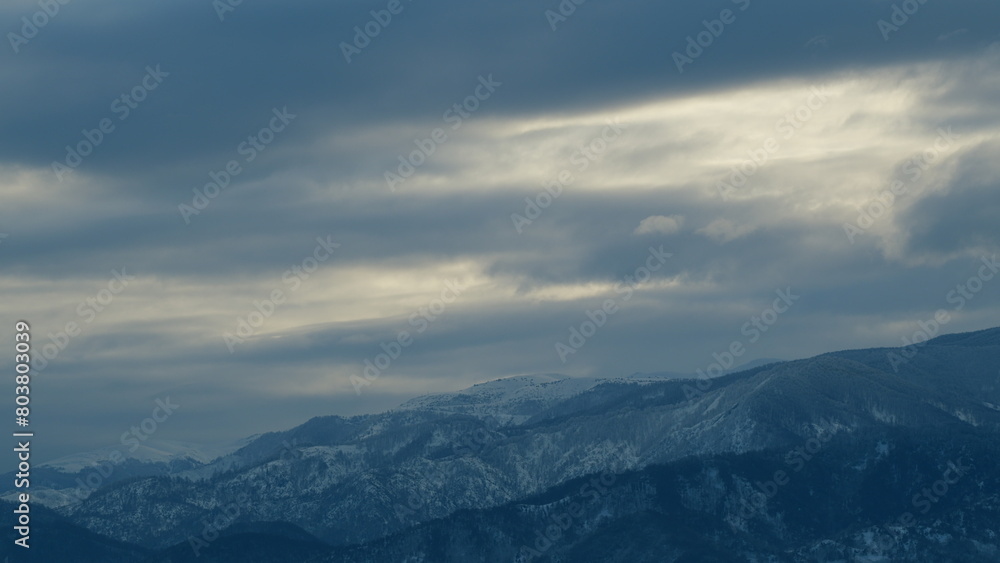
[224,77]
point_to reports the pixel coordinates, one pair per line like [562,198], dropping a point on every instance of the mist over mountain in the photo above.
[846,456]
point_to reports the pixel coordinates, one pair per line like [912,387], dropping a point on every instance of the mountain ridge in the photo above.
[367,483]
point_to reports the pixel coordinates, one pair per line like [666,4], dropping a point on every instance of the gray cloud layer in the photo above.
[323,175]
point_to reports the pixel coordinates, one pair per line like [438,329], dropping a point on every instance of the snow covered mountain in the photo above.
[70,479]
[495,462]
[151,451]
[511,400]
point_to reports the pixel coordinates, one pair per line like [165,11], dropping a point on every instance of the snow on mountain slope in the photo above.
[150,451]
[511,400]
[67,480]
[350,480]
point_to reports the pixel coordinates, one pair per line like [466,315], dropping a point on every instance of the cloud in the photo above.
[959,219]
[659,224]
[724,230]
[683,135]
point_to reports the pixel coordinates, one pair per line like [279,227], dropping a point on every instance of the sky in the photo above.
[240,208]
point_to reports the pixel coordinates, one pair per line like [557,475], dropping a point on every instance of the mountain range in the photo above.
[885,454]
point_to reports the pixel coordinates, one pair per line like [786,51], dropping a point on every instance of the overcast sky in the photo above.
[378,170]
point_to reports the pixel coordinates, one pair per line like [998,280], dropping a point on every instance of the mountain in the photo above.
[53,538]
[808,460]
[150,451]
[851,501]
[663,375]
[70,479]
[511,400]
